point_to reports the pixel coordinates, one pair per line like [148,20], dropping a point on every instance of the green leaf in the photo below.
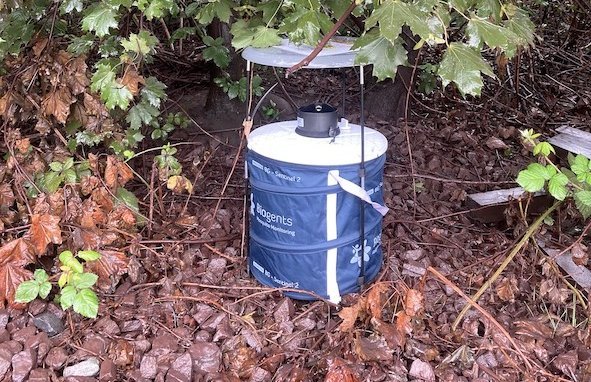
[462,65]
[68,259]
[220,55]
[68,6]
[63,280]
[81,44]
[382,54]
[183,32]
[56,166]
[86,303]
[142,113]
[543,148]
[520,24]
[88,255]
[533,178]
[142,43]
[153,91]
[44,289]
[581,166]
[157,8]
[222,9]
[102,78]
[481,30]
[67,296]
[27,291]
[583,203]
[258,37]
[128,198]
[557,186]
[305,26]
[393,14]
[116,95]
[68,163]
[70,176]
[40,276]
[99,17]
[489,8]
[50,182]
[84,280]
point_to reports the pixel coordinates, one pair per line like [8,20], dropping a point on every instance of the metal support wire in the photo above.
[361,278]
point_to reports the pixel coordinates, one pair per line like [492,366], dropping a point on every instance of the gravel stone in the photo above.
[49,323]
[24,334]
[56,358]
[39,375]
[181,369]
[207,357]
[4,315]
[5,362]
[108,371]
[22,364]
[87,368]
[148,367]
[37,307]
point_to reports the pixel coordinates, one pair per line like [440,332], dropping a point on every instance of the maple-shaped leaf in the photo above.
[156,8]
[462,65]
[140,114]
[14,256]
[103,77]
[44,229]
[153,91]
[57,103]
[520,24]
[98,18]
[142,43]
[306,26]
[222,9]
[109,268]
[116,95]
[67,6]
[132,80]
[258,36]
[481,30]
[381,53]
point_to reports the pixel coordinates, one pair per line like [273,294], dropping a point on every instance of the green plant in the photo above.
[173,120]
[75,284]
[271,111]
[561,183]
[239,88]
[167,164]
[60,173]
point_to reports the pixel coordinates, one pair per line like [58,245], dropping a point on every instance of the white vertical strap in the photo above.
[248,66]
[332,286]
[361,76]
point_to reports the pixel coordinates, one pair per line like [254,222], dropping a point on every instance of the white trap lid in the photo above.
[279,141]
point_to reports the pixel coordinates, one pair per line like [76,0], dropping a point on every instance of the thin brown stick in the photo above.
[306,61]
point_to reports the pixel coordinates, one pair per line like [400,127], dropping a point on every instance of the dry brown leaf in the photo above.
[117,173]
[349,315]
[57,103]
[580,254]
[179,184]
[42,126]
[413,302]
[94,106]
[22,145]
[103,199]
[77,79]
[394,337]
[373,349]
[44,229]
[132,79]
[5,103]
[507,288]
[403,324]
[339,371]
[39,46]
[375,299]
[14,256]
[109,268]
[6,195]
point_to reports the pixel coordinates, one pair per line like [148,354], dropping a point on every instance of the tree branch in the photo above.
[306,61]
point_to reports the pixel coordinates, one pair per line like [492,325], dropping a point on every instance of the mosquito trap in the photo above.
[315,186]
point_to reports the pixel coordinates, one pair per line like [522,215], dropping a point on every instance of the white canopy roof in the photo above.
[336,54]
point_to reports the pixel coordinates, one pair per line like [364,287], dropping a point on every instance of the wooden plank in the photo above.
[579,273]
[490,206]
[571,140]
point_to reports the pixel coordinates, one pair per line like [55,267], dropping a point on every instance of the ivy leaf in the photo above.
[99,17]
[583,203]
[153,91]
[68,6]
[557,186]
[382,54]
[462,65]
[258,37]
[141,113]
[222,9]
[67,296]
[86,303]
[533,178]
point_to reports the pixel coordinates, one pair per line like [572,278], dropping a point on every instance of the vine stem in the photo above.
[524,239]
[322,42]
